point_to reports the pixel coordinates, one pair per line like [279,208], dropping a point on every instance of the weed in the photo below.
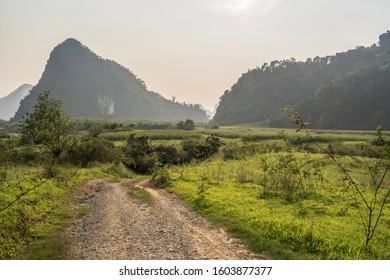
[161,177]
[200,201]
[84,210]
[139,195]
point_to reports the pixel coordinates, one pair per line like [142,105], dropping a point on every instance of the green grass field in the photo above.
[288,200]
[319,221]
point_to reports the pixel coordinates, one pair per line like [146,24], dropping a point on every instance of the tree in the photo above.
[47,125]
[187,125]
[139,154]
[93,128]
[384,39]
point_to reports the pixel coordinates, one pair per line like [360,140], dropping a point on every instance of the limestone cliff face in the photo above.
[92,86]
[106,105]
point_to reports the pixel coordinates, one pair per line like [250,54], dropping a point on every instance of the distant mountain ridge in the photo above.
[91,86]
[9,104]
[349,90]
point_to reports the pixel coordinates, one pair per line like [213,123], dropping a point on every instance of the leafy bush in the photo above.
[290,177]
[200,149]
[4,135]
[118,168]
[139,154]
[187,125]
[145,164]
[168,154]
[161,177]
[90,150]
[232,151]
[200,201]
[29,154]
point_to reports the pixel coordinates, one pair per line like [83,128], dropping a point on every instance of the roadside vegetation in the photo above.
[309,195]
[293,205]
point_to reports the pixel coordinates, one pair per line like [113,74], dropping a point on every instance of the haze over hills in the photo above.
[349,90]
[10,103]
[91,86]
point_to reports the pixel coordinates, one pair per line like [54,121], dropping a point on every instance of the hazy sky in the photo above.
[191,49]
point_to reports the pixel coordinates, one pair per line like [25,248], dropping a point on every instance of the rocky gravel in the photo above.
[121,227]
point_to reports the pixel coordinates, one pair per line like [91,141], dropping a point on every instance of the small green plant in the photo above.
[379,139]
[118,169]
[200,201]
[161,177]
[232,151]
[139,195]
[243,175]
[290,177]
[84,210]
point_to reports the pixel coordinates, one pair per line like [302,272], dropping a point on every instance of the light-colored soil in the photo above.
[121,227]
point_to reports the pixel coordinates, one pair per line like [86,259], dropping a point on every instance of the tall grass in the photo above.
[262,134]
[320,220]
[32,227]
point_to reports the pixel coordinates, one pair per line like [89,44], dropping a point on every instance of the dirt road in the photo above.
[121,227]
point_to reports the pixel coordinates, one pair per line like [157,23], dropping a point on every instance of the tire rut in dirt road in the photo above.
[119,227]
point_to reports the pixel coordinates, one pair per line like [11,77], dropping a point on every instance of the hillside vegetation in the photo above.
[349,90]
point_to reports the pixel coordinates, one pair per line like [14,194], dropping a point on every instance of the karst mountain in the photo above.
[91,86]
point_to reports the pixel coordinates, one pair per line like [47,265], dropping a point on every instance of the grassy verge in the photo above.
[33,227]
[137,193]
[314,219]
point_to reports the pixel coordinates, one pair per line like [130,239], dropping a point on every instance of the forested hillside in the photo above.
[92,86]
[349,90]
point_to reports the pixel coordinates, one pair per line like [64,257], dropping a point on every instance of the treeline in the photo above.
[349,90]
[94,126]
[49,137]
[138,154]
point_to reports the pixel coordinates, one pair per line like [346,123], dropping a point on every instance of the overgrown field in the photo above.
[277,191]
[290,199]
[277,212]
[36,208]
[283,195]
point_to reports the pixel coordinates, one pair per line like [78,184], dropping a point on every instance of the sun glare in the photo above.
[243,6]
